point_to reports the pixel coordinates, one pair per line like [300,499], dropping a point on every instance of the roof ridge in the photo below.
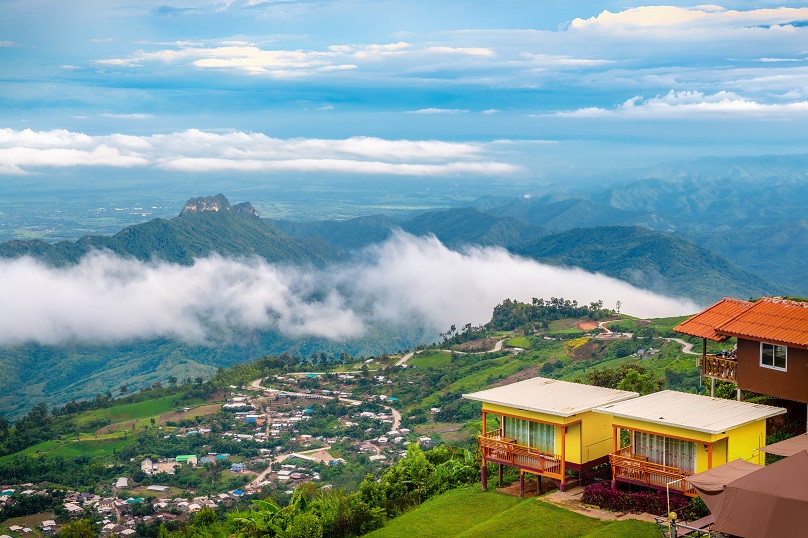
[783,301]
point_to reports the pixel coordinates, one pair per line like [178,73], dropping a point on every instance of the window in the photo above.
[666,451]
[773,356]
[532,434]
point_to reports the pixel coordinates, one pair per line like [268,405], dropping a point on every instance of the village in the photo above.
[282,449]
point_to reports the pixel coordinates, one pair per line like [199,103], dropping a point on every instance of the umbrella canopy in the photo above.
[789,447]
[711,484]
[769,503]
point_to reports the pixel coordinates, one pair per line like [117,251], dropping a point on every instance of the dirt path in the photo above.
[687,347]
[403,360]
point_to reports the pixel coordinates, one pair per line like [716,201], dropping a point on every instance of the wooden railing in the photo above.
[505,450]
[719,367]
[637,469]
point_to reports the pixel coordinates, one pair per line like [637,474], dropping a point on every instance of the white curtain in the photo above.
[666,451]
[533,434]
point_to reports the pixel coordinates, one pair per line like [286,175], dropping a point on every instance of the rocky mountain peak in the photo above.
[217,203]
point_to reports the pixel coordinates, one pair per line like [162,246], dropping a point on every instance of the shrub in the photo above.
[654,502]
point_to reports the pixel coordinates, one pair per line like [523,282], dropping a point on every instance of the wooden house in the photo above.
[772,351]
[661,438]
[545,427]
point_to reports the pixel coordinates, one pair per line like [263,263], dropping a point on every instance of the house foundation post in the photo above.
[484,476]
[712,387]
[538,485]
[738,394]
[500,474]
[521,483]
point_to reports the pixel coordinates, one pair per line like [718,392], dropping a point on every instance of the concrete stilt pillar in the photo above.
[738,394]
[484,477]
[521,484]
[712,387]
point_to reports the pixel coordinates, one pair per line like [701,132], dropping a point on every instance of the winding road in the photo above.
[687,347]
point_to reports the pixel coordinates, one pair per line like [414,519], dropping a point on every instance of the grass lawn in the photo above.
[430,359]
[102,447]
[472,513]
[519,341]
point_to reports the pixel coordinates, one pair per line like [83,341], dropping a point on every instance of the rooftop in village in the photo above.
[551,396]
[703,324]
[691,411]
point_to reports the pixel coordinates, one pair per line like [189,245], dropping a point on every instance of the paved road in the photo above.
[687,347]
[497,347]
[403,360]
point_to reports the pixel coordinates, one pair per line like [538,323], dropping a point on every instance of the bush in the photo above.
[654,502]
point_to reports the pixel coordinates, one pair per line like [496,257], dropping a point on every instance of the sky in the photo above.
[395,89]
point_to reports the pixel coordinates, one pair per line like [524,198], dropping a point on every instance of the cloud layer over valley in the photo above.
[406,280]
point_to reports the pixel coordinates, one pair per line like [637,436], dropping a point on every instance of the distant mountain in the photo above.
[778,252]
[454,227]
[466,225]
[563,213]
[205,226]
[659,262]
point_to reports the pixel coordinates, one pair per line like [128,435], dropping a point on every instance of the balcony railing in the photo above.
[721,368]
[637,469]
[505,450]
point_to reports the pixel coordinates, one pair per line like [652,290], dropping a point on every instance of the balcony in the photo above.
[636,469]
[499,449]
[721,368]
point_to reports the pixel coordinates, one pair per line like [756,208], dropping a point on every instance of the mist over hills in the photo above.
[681,230]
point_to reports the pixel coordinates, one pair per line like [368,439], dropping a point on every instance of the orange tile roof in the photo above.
[771,319]
[704,323]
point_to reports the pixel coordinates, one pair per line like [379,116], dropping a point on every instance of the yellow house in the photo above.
[546,427]
[661,438]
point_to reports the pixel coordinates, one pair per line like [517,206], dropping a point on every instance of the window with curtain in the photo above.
[666,451]
[532,434]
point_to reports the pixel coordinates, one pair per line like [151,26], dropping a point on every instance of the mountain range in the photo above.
[596,235]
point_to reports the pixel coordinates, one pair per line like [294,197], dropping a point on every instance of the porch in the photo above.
[719,367]
[506,451]
[636,469]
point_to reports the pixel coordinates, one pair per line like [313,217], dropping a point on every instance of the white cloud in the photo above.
[199,151]
[136,116]
[438,111]
[6,43]
[657,18]
[406,280]
[690,104]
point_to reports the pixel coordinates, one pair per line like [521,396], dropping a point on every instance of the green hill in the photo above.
[659,262]
[470,513]
[195,233]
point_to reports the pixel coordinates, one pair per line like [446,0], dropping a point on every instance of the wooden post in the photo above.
[484,476]
[521,483]
[538,485]
[710,456]
[500,474]
[615,437]
[485,423]
[563,486]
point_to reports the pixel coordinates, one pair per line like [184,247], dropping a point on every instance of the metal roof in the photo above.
[704,323]
[691,411]
[771,319]
[551,396]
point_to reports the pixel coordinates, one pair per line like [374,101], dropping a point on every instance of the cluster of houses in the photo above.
[546,427]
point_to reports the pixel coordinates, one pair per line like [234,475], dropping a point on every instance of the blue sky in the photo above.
[396,88]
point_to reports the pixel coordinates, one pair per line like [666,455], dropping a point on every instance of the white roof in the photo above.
[551,396]
[691,411]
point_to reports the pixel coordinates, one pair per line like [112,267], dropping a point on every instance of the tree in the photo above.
[306,525]
[77,529]
[124,389]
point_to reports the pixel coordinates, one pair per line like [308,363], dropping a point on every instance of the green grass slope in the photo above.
[471,513]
